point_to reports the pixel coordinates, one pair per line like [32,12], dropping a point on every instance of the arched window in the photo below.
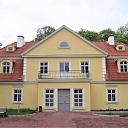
[64,45]
[6,67]
[123,66]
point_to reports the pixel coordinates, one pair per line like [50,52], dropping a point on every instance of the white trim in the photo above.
[64,61]
[25,68]
[83,94]
[46,107]
[66,55]
[104,68]
[43,61]
[64,27]
[88,66]
[16,102]
[116,97]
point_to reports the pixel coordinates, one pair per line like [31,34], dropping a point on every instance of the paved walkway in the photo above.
[63,120]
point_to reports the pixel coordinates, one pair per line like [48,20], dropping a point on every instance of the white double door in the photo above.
[64,69]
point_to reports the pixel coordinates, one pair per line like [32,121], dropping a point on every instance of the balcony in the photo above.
[71,74]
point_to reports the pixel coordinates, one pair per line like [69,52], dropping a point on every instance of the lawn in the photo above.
[22,111]
[120,114]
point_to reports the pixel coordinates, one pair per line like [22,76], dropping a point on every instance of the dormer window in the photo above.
[120,47]
[123,66]
[6,67]
[10,48]
[64,45]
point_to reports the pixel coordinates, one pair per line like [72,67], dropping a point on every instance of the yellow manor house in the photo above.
[64,72]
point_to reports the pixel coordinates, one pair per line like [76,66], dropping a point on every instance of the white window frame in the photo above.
[49,107]
[5,67]
[124,66]
[17,94]
[47,66]
[116,98]
[88,66]
[83,105]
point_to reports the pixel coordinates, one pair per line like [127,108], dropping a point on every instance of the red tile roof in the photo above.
[17,72]
[112,72]
[18,64]
[18,51]
[111,50]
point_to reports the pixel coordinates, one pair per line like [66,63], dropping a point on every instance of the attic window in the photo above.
[120,47]
[10,49]
[64,45]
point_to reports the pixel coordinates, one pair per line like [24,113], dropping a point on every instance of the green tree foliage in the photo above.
[104,34]
[43,32]
[89,35]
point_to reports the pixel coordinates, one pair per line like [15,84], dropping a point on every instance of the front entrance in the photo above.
[63,100]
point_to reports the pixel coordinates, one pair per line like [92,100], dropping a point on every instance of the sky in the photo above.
[24,17]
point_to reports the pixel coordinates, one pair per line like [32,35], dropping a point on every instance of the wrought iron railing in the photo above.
[64,74]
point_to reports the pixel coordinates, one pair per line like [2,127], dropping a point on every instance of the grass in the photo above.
[23,111]
[120,114]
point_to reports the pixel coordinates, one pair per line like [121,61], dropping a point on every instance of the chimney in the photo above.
[111,39]
[20,41]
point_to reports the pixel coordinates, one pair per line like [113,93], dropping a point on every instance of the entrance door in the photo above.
[64,70]
[63,100]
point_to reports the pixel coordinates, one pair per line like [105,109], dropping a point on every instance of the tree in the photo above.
[43,32]
[89,35]
[105,34]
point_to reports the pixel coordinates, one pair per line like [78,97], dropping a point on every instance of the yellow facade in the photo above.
[90,91]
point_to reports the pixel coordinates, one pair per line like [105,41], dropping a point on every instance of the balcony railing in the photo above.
[64,74]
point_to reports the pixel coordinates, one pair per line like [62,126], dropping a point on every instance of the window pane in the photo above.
[46,100]
[113,91]
[47,96]
[75,91]
[109,91]
[80,90]
[80,104]
[80,96]
[51,91]
[51,100]
[51,96]
[51,104]
[46,104]
[47,91]
[80,100]
[75,96]
[75,104]
[75,100]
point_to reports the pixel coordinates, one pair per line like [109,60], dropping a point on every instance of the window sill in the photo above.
[78,108]
[112,102]
[17,102]
[49,108]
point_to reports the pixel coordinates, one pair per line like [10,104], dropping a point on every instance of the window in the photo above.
[120,48]
[123,66]
[10,49]
[17,95]
[49,97]
[111,95]
[64,45]
[43,67]
[84,66]
[78,97]
[6,67]
[64,66]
